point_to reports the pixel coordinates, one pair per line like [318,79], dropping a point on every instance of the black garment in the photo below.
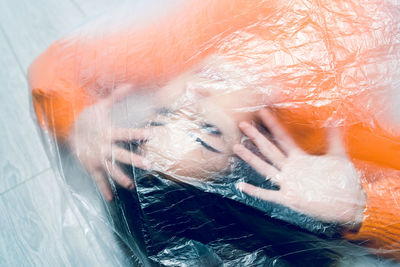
[167,223]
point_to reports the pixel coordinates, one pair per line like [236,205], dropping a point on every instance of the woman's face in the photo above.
[194,129]
[194,141]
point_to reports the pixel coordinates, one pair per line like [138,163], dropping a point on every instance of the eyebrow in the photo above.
[164,111]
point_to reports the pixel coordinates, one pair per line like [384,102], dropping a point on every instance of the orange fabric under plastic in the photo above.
[334,61]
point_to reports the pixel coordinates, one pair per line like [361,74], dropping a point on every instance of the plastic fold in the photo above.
[142,111]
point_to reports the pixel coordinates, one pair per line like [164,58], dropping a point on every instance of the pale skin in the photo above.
[93,140]
[326,187]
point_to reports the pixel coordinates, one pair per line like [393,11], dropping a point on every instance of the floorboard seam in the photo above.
[79,8]
[13,51]
[24,182]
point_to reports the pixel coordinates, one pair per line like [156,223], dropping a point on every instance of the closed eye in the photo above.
[207,146]
[156,123]
[197,139]
[209,128]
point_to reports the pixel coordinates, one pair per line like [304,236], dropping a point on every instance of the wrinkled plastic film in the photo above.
[141,107]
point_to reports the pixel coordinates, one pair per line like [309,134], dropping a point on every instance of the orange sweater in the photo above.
[334,60]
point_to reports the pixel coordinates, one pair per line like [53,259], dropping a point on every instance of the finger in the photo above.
[261,193]
[117,94]
[258,164]
[279,133]
[103,185]
[125,156]
[130,134]
[115,172]
[266,147]
[336,146]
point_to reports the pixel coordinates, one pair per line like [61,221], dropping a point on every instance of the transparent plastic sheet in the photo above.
[170,81]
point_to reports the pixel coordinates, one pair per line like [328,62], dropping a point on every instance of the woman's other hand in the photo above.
[325,187]
[94,141]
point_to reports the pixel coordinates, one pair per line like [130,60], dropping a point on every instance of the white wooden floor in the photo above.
[32,204]
[33,226]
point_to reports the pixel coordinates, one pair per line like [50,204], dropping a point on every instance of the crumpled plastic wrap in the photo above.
[143,105]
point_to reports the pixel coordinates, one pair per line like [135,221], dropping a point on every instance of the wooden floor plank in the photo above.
[26,29]
[41,226]
[21,152]
[31,26]
[94,8]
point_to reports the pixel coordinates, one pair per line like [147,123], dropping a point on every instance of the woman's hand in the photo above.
[325,187]
[94,141]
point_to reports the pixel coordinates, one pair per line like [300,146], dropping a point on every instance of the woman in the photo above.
[317,64]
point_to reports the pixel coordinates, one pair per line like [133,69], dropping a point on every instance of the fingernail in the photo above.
[109,198]
[131,186]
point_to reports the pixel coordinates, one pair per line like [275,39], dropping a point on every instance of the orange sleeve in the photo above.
[84,66]
[56,101]
[380,228]
[376,154]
